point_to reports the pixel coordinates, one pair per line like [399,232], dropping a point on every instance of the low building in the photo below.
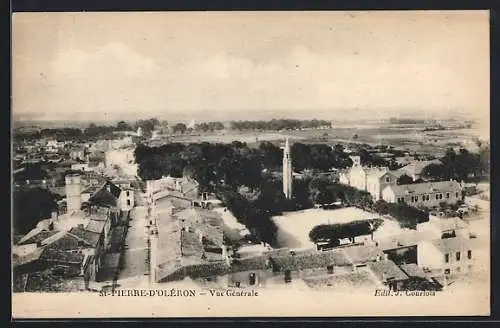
[370,179]
[451,256]
[387,273]
[427,194]
[110,195]
[414,169]
[442,228]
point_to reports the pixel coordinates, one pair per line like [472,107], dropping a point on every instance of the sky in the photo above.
[249,65]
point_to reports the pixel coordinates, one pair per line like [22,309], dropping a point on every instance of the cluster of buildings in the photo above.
[79,244]
[186,234]
[99,158]
[382,184]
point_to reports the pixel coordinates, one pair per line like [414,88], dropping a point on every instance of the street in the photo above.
[135,268]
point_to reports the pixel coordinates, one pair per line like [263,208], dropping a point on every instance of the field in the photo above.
[294,227]
[410,137]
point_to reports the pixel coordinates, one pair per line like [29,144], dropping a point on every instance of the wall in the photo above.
[124,206]
[458,267]
[428,256]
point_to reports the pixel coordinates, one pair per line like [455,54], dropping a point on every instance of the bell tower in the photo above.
[287,171]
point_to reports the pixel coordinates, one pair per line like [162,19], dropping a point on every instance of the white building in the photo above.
[451,255]
[414,169]
[371,179]
[445,227]
[427,194]
[84,167]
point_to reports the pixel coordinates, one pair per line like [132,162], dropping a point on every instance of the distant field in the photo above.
[410,137]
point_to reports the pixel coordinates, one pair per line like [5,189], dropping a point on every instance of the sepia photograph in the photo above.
[250,164]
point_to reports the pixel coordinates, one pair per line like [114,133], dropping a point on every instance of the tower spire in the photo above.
[287,170]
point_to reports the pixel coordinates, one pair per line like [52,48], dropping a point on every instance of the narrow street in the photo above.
[134,271]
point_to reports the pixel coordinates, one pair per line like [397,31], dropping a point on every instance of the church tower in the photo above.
[287,171]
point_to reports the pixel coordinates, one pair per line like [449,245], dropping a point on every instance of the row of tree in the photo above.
[236,164]
[333,233]
[461,165]
[279,124]
[407,216]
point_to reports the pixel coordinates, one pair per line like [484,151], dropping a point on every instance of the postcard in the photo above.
[250,164]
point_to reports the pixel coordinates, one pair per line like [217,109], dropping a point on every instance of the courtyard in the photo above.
[294,227]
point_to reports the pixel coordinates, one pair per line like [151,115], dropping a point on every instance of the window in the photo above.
[469,254]
[447,271]
[127,193]
[456,195]
[446,258]
[458,256]
[447,195]
[128,202]
[437,196]
[387,179]
[416,198]
[428,197]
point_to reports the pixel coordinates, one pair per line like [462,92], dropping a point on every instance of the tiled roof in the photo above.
[95,226]
[363,253]
[40,236]
[413,270]
[426,187]
[114,189]
[32,256]
[417,167]
[61,257]
[48,282]
[190,244]
[66,242]
[104,198]
[309,260]
[449,223]
[91,238]
[405,239]
[387,269]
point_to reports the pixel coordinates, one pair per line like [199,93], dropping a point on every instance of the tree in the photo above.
[350,230]
[319,192]
[435,171]
[381,207]
[123,126]
[407,216]
[404,179]
[180,127]
[30,207]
